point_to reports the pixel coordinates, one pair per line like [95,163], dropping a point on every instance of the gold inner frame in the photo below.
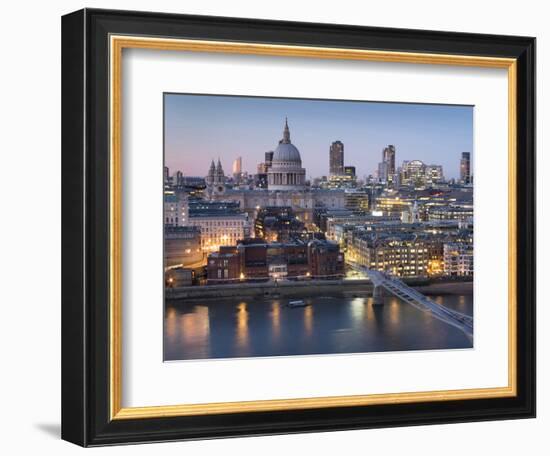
[117,44]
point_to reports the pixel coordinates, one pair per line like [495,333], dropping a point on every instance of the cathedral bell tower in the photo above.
[215,180]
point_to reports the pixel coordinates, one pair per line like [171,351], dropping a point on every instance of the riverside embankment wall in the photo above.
[278,289]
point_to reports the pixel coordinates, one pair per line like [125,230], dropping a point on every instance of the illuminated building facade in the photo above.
[182,246]
[434,175]
[453,212]
[220,223]
[350,171]
[404,255]
[458,259]
[178,277]
[335,221]
[356,200]
[278,224]
[340,181]
[413,173]
[393,203]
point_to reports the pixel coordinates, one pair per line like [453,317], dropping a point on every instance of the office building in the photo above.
[350,171]
[465,168]
[336,158]
[221,223]
[401,254]
[413,173]
[175,208]
[182,246]
[463,212]
[357,200]
[388,157]
[433,174]
[278,224]
[458,259]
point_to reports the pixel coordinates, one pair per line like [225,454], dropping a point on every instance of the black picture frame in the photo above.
[85,225]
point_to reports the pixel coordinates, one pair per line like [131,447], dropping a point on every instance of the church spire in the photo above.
[211,174]
[286,133]
[219,171]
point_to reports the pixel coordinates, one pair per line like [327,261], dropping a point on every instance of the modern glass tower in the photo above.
[388,156]
[465,176]
[336,158]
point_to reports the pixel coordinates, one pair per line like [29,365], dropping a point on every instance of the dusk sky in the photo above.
[199,128]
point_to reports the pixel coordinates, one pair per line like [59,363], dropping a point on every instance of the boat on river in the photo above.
[297,303]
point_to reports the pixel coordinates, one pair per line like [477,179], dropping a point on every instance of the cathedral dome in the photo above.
[286,172]
[286,152]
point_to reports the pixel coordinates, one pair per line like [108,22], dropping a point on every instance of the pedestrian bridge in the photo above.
[382,280]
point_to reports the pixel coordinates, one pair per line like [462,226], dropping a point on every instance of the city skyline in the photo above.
[199,128]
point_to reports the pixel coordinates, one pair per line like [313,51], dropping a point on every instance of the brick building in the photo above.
[325,259]
[259,261]
[224,266]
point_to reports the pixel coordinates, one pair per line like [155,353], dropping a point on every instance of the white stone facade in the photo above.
[221,230]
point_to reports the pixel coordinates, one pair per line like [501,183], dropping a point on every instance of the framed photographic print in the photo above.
[275,227]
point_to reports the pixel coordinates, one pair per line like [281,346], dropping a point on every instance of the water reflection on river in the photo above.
[267,327]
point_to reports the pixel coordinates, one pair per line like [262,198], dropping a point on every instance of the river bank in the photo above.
[447,288]
[301,289]
[272,289]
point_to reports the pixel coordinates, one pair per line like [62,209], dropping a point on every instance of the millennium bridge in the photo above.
[384,281]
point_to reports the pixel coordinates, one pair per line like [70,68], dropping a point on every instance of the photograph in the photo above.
[298,227]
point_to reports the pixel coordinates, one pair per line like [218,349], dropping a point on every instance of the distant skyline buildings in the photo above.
[336,158]
[386,168]
[465,171]
[388,155]
[237,170]
[350,171]
[268,158]
[238,166]
[199,127]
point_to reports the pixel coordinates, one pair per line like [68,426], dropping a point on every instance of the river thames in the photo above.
[237,328]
